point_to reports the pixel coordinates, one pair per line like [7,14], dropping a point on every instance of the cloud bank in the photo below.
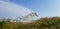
[8,9]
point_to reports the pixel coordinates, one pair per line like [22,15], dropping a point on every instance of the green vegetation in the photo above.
[42,23]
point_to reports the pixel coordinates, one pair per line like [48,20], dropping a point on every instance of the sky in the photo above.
[9,10]
[42,7]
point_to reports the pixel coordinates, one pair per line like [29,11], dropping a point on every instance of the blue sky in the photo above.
[42,7]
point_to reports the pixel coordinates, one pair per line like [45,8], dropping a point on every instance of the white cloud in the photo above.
[12,9]
[58,11]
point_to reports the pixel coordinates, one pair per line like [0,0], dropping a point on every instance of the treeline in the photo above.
[41,23]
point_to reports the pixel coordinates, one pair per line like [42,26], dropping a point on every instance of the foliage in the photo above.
[41,23]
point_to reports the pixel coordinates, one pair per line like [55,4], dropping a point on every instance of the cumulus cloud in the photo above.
[8,9]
